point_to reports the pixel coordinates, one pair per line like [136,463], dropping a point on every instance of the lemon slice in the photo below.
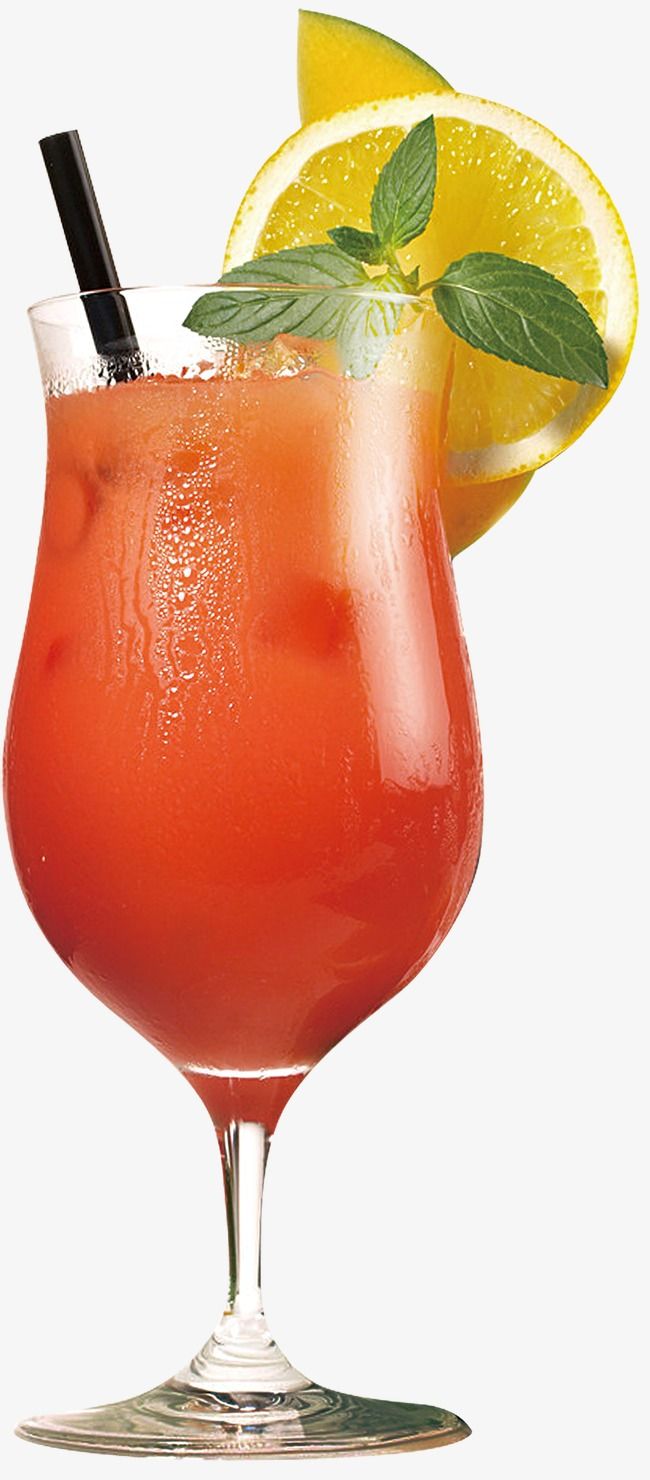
[505,184]
[341,63]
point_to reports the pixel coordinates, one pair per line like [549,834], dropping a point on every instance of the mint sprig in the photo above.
[362,315]
[402,200]
[256,317]
[522,313]
[364,246]
[514,310]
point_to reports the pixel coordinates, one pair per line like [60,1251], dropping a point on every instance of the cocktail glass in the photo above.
[242,766]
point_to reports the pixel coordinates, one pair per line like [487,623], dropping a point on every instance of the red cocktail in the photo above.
[243,774]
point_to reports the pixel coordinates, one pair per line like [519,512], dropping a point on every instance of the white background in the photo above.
[456,1207]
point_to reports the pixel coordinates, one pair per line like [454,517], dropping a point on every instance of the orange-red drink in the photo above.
[243,771]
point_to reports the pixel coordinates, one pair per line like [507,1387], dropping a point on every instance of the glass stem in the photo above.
[241,1355]
[244,1150]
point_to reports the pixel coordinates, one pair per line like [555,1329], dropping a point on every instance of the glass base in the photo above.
[177,1418]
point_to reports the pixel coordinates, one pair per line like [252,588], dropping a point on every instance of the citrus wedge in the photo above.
[341,63]
[505,184]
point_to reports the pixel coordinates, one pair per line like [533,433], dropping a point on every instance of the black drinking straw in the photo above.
[108,315]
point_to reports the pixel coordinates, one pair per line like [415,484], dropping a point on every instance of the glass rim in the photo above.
[59,300]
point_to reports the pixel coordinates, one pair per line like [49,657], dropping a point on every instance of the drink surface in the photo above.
[243,772]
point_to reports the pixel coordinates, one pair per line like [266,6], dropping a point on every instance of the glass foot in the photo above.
[177,1418]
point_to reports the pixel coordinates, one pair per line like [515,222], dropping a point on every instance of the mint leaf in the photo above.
[522,313]
[403,197]
[321,263]
[363,245]
[367,326]
[361,315]
[256,317]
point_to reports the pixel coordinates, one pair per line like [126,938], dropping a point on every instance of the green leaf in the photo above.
[256,317]
[369,323]
[521,313]
[403,197]
[361,313]
[321,263]
[363,245]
